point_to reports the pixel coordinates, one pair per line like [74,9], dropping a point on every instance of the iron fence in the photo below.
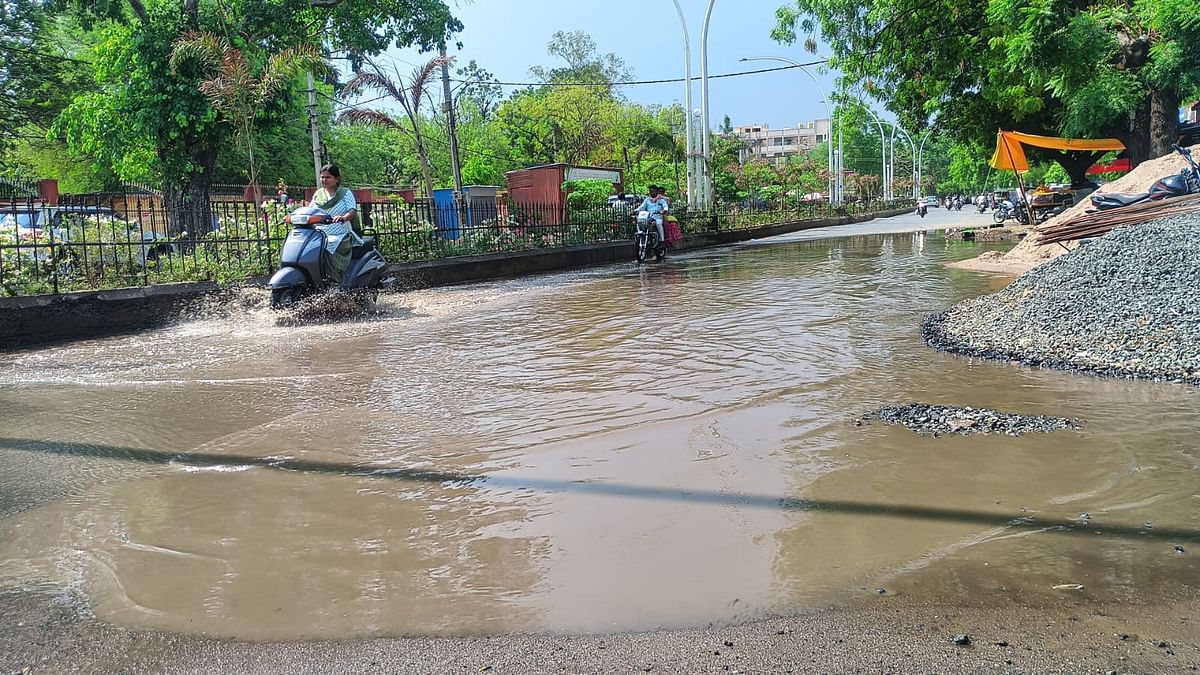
[100,241]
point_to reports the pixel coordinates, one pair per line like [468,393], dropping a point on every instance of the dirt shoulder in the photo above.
[44,634]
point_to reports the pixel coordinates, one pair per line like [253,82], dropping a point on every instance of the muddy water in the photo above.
[616,449]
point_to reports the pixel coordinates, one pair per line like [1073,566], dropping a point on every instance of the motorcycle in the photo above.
[1007,210]
[1185,182]
[645,239]
[922,209]
[299,272]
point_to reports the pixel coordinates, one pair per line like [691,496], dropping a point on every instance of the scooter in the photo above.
[299,272]
[645,239]
[1186,182]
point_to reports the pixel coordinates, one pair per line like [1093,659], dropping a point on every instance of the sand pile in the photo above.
[1027,254]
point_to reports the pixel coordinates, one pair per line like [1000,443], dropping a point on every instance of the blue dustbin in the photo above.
[446,213]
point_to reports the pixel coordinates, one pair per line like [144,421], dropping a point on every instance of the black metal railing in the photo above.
[100,241]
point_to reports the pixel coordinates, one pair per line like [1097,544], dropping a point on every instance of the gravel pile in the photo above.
[935,420]
[1125,305]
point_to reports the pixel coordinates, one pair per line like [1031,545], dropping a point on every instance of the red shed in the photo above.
[537,191]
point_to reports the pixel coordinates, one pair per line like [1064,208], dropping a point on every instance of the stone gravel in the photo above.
[1124,305]
[935,420]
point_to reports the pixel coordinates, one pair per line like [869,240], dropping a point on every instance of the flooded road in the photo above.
[607,450]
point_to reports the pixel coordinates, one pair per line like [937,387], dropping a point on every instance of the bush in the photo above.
[587,194]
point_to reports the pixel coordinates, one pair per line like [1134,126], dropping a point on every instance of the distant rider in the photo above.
[656,206]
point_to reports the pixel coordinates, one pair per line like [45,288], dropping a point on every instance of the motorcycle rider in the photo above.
[921,208]
[656,206]
[340,237]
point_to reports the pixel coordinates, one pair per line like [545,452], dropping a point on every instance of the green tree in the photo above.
[575,125]
[1057,67]
[584,63]
[235,90]
[480,93]
[39,72]
[143,103]
[410,97]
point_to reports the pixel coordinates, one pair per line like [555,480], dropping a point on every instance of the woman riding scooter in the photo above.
[340,237]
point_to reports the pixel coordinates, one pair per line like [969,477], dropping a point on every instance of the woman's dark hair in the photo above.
[332,170]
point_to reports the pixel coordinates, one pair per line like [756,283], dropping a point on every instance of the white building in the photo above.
[776,145]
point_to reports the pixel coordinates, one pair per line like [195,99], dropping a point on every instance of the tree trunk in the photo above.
[186,199]
[1164,120]
[1076,165]
[249,135]
[426,174]
[1137,141]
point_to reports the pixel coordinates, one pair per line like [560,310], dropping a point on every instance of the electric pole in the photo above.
[312,125]
[452,122]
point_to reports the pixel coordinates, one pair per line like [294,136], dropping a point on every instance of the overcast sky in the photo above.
[507,37]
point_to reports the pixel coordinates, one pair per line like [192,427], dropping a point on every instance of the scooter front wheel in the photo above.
[285,298]
[367,298]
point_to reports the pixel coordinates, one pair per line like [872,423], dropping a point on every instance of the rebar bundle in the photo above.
[1096,223]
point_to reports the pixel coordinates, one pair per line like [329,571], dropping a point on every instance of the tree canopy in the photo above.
[1088,68]
[161,109]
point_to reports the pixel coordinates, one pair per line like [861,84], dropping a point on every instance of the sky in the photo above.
[507,37]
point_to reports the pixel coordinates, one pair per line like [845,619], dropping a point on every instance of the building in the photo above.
[776,145]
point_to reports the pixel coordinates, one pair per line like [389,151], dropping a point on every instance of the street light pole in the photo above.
[913,148]
[920,155]
[882,143]
[841,159]
[692,177]
[706,143]
[828,113]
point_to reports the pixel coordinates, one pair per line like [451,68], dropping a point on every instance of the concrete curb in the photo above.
[34,321]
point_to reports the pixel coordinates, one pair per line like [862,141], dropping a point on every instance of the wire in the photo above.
[639,82]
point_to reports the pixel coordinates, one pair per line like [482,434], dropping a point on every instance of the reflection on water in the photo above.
[619,448]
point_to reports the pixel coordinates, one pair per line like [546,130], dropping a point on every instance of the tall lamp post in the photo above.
[828,111]
[706,138]
[692,174]
[913,147]
[920,155]
[887,188]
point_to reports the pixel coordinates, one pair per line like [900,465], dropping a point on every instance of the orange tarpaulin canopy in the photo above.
[1010,154]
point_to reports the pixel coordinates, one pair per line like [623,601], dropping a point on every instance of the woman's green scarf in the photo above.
[332,202]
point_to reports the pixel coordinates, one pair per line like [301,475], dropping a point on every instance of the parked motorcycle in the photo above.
[645,239]
[299,273]
[1185,182]
[1007,210]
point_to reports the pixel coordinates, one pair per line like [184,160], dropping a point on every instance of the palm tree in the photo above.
[409,97]
[234,90]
